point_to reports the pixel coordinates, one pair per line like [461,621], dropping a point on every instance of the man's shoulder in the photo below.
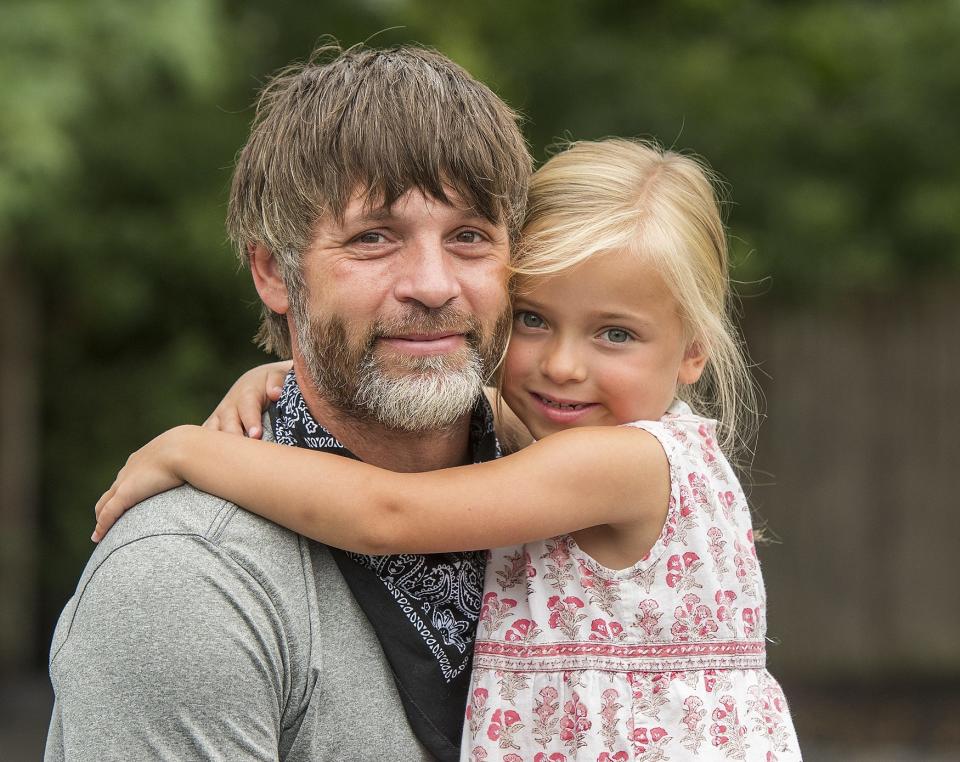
[188,512]
[202,534]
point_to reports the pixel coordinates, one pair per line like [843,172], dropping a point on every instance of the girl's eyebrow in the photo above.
[527,303]
[632,317]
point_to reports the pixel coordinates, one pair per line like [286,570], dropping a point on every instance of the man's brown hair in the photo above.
[377,121]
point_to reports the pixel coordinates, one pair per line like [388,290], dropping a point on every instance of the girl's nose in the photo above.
[563,364]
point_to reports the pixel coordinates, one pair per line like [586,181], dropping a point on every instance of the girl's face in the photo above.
[599,345]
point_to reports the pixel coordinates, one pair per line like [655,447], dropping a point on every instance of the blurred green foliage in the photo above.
[835,124]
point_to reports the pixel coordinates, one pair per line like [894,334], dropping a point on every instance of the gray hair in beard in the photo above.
[421,393]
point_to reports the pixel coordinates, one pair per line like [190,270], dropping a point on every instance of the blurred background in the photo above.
[123,311]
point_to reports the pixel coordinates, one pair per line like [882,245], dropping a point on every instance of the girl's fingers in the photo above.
[275,379]
[105,519]
[251,415]
[230,423]
[213,422]
[98,509]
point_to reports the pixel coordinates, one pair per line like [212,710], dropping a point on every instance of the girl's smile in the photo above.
[601,344]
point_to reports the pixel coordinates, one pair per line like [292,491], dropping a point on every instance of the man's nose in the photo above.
[428,275]
[562,362]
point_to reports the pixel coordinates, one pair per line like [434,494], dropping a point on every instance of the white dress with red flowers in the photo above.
[661,661]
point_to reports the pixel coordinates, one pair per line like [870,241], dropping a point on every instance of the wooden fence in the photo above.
[856,473]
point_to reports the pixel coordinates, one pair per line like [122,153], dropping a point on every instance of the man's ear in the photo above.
[266,278]
[692,365]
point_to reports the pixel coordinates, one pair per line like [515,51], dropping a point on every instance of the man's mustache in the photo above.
[444,320]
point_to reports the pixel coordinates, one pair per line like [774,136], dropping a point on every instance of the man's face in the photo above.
[405,310]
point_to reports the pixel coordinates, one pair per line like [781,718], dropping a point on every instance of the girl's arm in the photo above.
[571,480]
[241,410]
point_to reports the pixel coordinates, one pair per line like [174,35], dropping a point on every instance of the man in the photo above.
[375,202]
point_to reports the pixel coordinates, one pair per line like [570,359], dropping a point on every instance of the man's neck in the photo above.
[389,448]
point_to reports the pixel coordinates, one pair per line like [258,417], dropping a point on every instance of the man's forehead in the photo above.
[367,204]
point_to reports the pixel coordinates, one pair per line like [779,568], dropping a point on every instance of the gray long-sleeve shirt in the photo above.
[201,631]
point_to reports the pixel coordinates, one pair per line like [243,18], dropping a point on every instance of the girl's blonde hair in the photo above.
[618,194]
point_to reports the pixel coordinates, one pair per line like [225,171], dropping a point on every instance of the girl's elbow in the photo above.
[384,531]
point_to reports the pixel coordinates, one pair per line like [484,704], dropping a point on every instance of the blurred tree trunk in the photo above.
[19,443]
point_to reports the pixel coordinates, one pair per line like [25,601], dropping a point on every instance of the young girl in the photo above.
[636,631]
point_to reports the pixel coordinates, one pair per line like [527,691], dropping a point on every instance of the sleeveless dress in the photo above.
[664,660]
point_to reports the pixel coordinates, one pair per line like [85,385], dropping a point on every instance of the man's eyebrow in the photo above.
[376,214]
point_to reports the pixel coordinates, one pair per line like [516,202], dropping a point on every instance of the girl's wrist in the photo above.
[175,453]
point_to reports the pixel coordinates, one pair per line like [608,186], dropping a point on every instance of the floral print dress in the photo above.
[664,660]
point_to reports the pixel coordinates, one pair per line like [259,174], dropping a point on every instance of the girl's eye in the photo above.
[529,319]
[617,335]
[468,236]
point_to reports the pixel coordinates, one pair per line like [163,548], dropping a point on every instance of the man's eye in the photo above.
[617,335]
[468,236]
[529,319]
[371,238]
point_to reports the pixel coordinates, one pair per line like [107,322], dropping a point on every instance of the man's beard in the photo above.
[407,392]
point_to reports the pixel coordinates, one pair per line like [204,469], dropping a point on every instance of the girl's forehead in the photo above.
[622,276]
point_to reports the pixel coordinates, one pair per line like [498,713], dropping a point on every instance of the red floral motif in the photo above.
[609,706]
[717,552]
[601,630]
[513,758]
[517,569]
[694,620]
[745,563]
[698,486]
[511,684]
[706,434]
[685,520]
[648,619]
[565,615]
[477,710]
[726,730]
[767,707]
[726,611]
[681,570]
[693,714]
[648,743]
[478,754]
[546,725]
[503,727]
[555,757]
[620,756]
[751,619]
[727,502]
[716,679]
[560,568]
[669,527]
[574,725]
[494,610]
[650,692]
[522,631]
[603,593]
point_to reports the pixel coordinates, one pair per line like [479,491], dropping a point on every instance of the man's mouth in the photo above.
[426,343]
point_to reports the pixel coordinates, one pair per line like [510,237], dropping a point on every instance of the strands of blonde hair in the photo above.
[596,197]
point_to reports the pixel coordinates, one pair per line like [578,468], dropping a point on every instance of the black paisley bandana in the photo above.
[423,608]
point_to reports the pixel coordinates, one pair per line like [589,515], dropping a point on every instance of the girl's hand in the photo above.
[241,411]
[148,472]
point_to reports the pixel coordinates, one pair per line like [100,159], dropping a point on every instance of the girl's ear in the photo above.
[692,365]
[266,278]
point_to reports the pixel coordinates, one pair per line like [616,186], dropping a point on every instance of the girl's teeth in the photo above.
[560,405]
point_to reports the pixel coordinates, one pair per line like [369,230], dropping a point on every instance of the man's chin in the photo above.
[399,366]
